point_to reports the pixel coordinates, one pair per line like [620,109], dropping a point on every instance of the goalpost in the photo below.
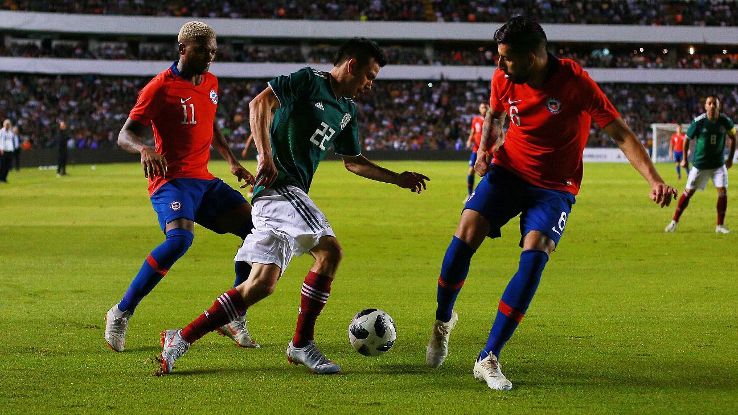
[660,137]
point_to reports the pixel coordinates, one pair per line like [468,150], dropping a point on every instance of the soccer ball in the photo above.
[372,332]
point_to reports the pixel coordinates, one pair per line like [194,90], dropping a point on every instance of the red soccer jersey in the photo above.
[181,115]
[549,126]
[476,125]
[677,142]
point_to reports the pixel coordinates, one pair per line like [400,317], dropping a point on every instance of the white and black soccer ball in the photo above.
[372,332]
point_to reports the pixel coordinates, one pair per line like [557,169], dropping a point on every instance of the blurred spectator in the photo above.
[397,115]
[439,53]
[633,12]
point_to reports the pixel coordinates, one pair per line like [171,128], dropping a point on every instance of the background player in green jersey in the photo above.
[708,132]
[295,121]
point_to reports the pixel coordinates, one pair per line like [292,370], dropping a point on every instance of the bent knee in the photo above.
[180,239]
[330,254]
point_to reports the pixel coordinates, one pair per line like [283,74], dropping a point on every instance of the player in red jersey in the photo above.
[534,173]
[179,105]
[472,143]
[676,149]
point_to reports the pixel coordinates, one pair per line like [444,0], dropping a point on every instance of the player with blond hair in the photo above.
[179,105]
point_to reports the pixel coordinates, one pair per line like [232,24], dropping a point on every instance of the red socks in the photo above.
[225,309]
[681,205]
[315,291]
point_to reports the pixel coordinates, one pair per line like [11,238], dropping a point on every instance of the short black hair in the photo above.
[362,49]
[523,34]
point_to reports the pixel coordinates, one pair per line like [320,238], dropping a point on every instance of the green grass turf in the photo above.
[627,319]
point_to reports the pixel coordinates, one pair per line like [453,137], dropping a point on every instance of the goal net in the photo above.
[660,137]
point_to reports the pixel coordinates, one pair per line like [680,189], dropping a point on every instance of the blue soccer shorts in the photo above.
[678,156]
[473,159]
[201,201]
[500,196]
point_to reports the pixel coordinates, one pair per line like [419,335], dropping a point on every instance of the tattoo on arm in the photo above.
[487,129]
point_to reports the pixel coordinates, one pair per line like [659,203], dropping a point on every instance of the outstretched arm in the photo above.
[661,193]
[130,139]
[225,151]
[361,166]
[261,112]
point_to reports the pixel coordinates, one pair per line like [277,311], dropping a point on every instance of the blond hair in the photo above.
[192,30]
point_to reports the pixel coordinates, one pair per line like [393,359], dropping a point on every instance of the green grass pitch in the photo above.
[627,319]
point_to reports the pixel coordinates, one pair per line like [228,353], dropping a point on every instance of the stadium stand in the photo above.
[630,12]
[398,115]
[438,72]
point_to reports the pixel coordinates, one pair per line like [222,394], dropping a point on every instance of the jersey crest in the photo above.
[553,105]
[345,120]
[214,96]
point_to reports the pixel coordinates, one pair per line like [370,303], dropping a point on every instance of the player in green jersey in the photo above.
[708,132]
[295,121]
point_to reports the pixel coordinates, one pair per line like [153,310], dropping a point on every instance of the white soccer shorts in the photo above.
[286,224]
[698,178]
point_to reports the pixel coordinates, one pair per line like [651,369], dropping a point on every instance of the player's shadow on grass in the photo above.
[662,375]
[396,369]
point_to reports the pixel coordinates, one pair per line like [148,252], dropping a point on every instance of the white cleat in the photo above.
[488,370]
[437,349]
[671,227]
[311,357]
[238,331]
[116,324]
[721,229]
[174,346]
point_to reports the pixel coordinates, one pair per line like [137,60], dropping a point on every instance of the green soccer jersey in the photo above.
[709,141]
[309,121]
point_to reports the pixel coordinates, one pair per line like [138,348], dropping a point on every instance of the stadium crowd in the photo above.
[398,115]
[614,56]
[635,12]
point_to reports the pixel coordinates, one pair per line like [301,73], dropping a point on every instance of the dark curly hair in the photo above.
[362,49]
[522,34]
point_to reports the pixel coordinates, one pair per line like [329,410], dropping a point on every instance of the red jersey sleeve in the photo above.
[149,102]
[598,106]
[495,104]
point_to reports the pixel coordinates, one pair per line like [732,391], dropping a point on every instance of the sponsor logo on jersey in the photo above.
[214,96]
[514,102]
[319,105]
[553,105]
[175,206]
[345,120]
[182,100]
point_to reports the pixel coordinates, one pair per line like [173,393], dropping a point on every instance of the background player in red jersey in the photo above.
[179,105]
[676,149]
[472,143]
[535,172]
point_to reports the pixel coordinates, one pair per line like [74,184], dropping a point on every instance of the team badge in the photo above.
[553,105]
[345,120]
[175,206]
[214,96]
